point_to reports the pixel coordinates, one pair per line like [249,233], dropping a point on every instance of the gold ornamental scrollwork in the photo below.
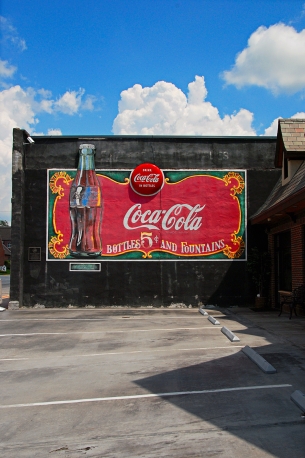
[234,176]
[55,188]
[147,255]
[54,242]
[241,247]
[54,245]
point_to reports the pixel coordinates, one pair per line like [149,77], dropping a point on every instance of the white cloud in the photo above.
[6,70]
[10,34]
[46,105]
[88,103]
[164,109]
[70,102]
[274,59]
[54,132]
[19,108]
[299,115]
[272,129]
[15,111]
[45,93]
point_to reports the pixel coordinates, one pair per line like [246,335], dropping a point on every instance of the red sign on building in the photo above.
[150,214]
[146,179]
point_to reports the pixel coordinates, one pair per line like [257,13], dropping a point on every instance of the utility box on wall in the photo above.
[135,220]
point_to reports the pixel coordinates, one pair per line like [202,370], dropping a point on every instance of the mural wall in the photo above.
[147,216]
[116,221]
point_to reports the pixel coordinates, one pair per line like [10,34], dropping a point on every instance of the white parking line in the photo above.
[144,396]
[106,318]
[167,350]
[104,332]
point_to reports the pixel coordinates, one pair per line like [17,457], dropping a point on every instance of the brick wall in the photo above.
[297,254]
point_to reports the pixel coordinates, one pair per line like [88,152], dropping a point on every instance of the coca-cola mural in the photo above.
[194,214]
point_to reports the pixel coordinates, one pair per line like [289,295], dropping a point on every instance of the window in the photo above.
[285,168]
[283,261]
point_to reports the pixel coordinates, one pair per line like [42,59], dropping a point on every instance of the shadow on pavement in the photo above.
[264,417]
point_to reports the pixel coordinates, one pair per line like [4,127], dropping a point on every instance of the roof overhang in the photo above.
[283,210]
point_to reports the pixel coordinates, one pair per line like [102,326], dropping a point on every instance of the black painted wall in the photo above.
[130,283]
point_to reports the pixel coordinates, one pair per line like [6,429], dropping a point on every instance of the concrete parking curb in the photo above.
[213,320]
[203,312]
[13,305]
[229,334]
[259,360]
[299,399]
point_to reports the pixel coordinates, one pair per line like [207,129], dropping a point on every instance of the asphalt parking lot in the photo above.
[147,383]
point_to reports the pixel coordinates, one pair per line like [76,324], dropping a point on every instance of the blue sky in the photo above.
[221,67]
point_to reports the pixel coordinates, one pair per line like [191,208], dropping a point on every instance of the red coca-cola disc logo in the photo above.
[146,179]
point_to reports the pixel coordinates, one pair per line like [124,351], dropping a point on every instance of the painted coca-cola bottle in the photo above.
[86,207]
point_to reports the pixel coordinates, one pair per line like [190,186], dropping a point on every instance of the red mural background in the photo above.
[196,217]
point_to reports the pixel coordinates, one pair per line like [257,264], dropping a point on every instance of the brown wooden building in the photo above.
[283,213]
